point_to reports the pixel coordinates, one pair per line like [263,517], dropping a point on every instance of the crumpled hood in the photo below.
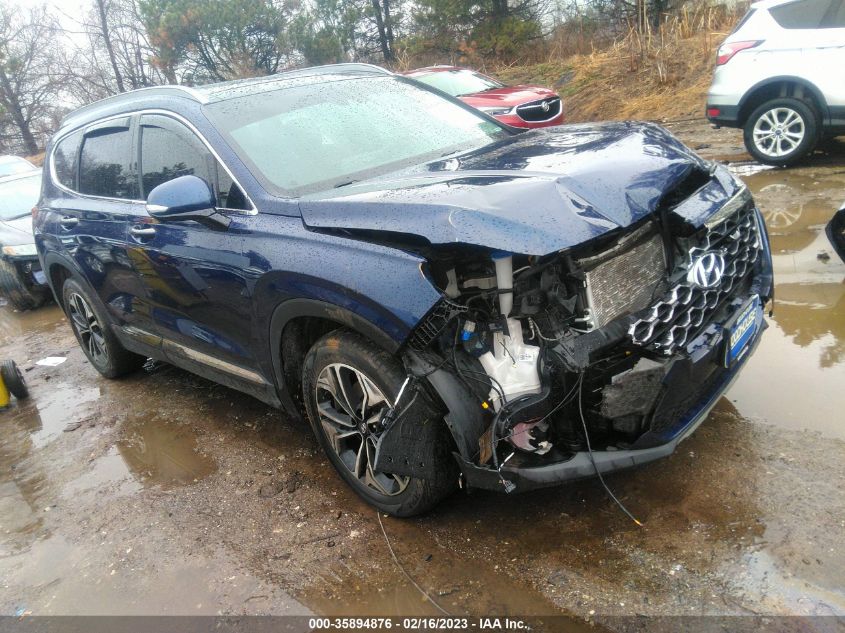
[16,231]
[535,193]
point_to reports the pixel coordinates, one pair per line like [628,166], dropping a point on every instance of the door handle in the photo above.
[68,221]
[142,232]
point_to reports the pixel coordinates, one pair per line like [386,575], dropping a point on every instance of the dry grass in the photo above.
[653,75]
[36,159]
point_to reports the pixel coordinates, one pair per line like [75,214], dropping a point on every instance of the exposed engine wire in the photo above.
[402,569]
[593,459]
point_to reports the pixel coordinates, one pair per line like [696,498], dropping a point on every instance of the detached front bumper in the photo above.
[580,466]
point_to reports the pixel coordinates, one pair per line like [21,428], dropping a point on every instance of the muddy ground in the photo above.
[163,493]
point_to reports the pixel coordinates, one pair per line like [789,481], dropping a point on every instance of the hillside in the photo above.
[657,76]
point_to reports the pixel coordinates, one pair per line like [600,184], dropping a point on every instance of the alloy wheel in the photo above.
[350,406]
[87,328]
[778,132]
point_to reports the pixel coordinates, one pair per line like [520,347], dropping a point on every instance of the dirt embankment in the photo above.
[657,75]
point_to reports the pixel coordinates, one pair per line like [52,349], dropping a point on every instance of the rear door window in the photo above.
[104,162]
[170,150]
[804,14]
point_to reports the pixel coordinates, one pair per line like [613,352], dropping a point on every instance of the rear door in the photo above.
[195,283]
[817,27]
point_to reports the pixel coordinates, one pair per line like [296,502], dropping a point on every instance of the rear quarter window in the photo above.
[805,14]
[64,159]
[835,19]
[104,164]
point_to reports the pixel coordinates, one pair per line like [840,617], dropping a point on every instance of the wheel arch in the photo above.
[782,86]
[295,326]
[58,270]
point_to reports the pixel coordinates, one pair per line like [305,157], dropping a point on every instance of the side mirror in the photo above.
[836,232]
[186,198]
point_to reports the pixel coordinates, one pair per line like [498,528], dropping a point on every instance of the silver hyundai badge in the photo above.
[706,269]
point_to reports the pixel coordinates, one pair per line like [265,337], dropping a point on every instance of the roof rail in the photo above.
[330,68]
[167,90]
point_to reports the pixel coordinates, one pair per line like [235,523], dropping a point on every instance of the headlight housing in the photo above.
[495,110]
[20,250]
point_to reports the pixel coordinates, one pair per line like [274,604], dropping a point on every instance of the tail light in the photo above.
[727,51]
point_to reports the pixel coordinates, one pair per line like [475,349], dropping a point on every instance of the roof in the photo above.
[230,89]
[768,4]
[439,68]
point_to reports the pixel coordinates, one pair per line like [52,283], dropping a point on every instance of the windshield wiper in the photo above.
[344,184]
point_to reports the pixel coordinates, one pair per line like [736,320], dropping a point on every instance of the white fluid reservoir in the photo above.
[512,364]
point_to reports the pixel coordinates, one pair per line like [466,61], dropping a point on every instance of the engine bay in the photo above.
[575,351]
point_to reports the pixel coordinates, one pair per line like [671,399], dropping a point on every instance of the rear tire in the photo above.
[781,131]
[19,294]
[93,332]
[344,362]
[13,379]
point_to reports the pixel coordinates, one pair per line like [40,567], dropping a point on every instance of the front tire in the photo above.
[781,131]
[93,332]
[347,383]
[21,296]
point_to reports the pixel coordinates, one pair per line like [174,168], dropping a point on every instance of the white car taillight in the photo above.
[727,51]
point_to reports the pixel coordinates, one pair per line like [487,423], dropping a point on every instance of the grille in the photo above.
[626,282]
[681,313]
[535,112]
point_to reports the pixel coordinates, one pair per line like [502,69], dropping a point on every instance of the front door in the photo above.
[196,289]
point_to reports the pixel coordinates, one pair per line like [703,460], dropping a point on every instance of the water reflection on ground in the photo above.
[796,377]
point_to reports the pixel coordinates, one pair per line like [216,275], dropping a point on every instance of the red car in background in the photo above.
[519,106]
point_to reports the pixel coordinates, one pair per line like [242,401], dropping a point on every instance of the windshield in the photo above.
[310,138]
[458,82]
[18,196]
[10,165]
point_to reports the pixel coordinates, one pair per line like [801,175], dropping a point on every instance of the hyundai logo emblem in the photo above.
[545,105]
[706,270]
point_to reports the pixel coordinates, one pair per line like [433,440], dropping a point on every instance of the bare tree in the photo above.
[27,83]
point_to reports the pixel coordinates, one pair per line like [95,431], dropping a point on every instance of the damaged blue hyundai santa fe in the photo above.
[448,301]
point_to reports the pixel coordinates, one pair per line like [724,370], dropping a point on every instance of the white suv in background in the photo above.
[780,76]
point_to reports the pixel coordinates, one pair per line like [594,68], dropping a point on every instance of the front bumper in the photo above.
[580,466]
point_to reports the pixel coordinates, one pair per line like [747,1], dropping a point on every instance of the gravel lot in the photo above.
[166,494]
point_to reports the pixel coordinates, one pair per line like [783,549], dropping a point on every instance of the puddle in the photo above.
[108,474]
[159,453]
[57,407]
[13,324]
[795,379]
[24,484]
[471,587]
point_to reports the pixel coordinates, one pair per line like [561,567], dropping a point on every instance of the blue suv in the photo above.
[446,299]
